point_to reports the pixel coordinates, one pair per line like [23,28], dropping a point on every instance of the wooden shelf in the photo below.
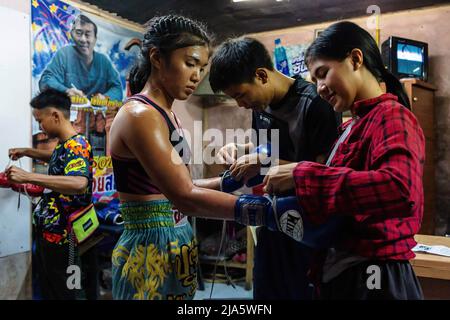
[418,82]
[421,99]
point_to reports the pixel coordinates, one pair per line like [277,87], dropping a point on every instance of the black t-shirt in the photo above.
[307,128]
[307,124]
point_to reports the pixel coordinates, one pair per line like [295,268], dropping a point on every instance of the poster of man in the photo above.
[85,56]
[79,70]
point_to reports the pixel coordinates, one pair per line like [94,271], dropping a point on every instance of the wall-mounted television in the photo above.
[406,58]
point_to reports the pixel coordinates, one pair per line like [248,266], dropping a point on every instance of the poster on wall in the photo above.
[88,57]
[104,192]
[294,55]
[85,56]
[296,58]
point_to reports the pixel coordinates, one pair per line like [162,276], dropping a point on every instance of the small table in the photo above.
[433,270]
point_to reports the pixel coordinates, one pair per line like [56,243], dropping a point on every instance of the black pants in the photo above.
[50,262]
[397,281]
[281,267]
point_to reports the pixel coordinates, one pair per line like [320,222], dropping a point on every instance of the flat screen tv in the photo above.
[406,58]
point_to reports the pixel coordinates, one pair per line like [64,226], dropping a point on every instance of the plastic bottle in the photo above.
[281,58]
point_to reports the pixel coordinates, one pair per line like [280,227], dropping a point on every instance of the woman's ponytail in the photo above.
[138,75]
[394,86]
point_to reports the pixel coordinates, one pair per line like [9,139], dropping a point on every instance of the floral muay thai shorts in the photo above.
[156,256]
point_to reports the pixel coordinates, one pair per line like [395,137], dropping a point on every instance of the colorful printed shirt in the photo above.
[375,178]
[71,158]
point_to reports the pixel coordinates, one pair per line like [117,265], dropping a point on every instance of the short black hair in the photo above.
[235,62]
[52,98]
[82,19]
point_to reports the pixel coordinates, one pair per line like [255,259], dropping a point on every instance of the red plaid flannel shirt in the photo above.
[375,178]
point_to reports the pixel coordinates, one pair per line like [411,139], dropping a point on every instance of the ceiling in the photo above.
[226,18]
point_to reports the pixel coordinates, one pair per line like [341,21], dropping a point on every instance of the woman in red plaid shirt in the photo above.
[373,175]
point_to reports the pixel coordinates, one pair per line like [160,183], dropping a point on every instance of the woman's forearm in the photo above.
[210,183]
[205,203]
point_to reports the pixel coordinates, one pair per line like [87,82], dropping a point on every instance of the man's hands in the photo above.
[20,182]
[17,175]
[246,167]
[100,96]
[74,92]
[39,154]
[17,153]
[278,180]
[229,153]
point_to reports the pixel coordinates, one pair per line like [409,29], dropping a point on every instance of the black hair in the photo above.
[166,33]
[338,40]
[82,19]
[52,98]
[235,62]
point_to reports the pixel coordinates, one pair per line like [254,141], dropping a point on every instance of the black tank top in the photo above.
[129,174]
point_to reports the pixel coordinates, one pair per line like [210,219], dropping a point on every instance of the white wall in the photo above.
[17,5]
[15,121]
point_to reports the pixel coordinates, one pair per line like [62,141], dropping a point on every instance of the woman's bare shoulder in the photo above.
[137,110]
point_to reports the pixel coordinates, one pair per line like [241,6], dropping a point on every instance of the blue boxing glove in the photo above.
[280,214]
[286,215]
[255,181]
[228,183]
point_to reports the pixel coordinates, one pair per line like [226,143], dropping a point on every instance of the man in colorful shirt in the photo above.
[68,188]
